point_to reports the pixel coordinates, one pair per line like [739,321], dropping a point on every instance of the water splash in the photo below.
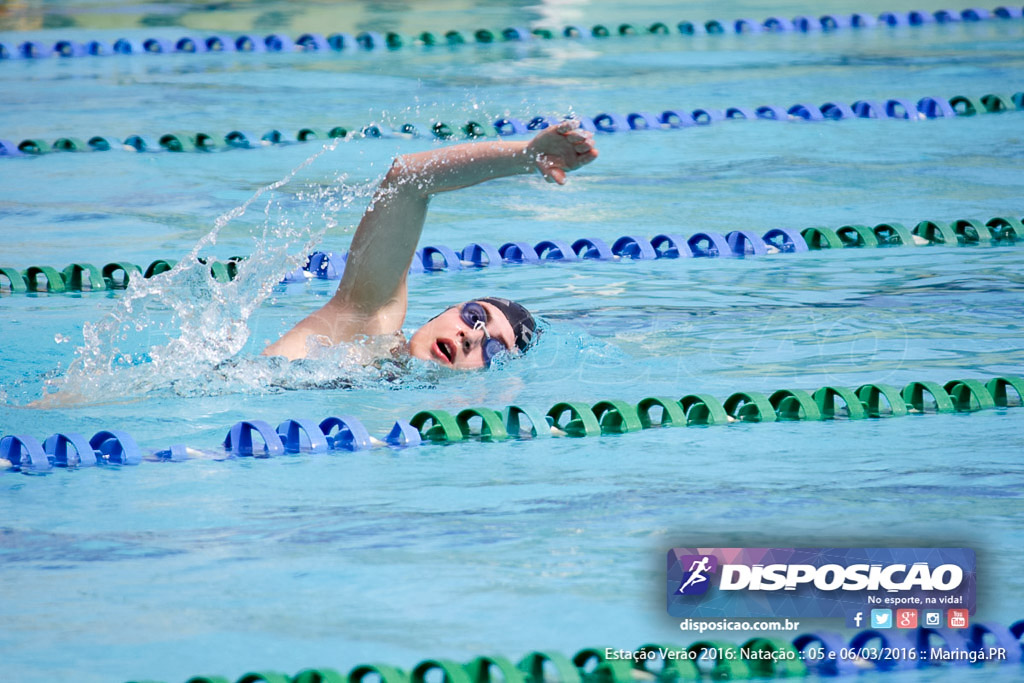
[208,320]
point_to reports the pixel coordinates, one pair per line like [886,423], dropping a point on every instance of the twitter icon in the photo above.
[881,618]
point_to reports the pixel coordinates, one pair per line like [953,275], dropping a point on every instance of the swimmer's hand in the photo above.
[559,149]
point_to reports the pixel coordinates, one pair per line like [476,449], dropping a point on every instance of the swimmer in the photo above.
[372,297]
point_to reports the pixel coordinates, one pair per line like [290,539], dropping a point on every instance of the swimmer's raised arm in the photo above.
[372,296]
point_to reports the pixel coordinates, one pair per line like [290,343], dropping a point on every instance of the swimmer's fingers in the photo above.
[555,175]
[567,126]
[579,135]
[582,147]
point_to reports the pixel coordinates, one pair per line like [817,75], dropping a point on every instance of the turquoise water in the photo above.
[168,570]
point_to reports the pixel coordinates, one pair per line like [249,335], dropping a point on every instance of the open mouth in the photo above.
[446,350]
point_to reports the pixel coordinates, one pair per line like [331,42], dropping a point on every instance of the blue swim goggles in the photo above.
[474,315]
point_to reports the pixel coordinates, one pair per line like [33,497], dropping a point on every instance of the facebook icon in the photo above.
[855,619]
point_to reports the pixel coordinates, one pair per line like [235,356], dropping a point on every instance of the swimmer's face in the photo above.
[450,340]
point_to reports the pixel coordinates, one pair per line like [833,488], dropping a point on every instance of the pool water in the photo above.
[218,565]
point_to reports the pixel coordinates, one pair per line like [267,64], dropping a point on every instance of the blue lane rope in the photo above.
[390,41]
[928,107]
[257,438]
[964,232]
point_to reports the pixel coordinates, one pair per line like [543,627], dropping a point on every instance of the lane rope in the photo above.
[964,232]
[899,108]
[391,41]
[566,418]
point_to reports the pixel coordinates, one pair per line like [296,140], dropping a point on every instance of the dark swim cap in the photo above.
[523,325]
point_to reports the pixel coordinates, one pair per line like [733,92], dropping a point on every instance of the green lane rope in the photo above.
[79,277]
[758,657]
[76,277]
[179,142]
[614,416]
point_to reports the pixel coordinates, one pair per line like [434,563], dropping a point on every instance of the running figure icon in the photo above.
[697,570]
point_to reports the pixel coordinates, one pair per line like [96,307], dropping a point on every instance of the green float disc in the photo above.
[128,269]
[264,677]
[543,33]
[159,266]
[208,679]
[750,406]
[994,103]
[33,147]
[54,282]
[997,389]
[672,414]
[658,28]
[703,409]
[794,404]
[966,106]
[971,231]
[178,142]
[480,670]
[98,143]
[70,145]
[16,279]
[969,395]
[491,427]
[533,665]
[436,425]
[1006,230]
[894,234]
[825,398]
[307,134]
[72,276]
[582,421]
[539,424]
[220,272]
[783,659]
[442,130]
[319,676]
[484,36]
[393,40]
[857,236]
[822,238]
[616,417]
[453,671]
[474,129]
[936,232]
[386,673]
[871,394]
[205,142]
[913,395]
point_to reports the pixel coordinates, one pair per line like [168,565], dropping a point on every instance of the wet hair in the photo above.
[524,327]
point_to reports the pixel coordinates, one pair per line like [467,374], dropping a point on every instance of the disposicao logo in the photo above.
[816,582]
